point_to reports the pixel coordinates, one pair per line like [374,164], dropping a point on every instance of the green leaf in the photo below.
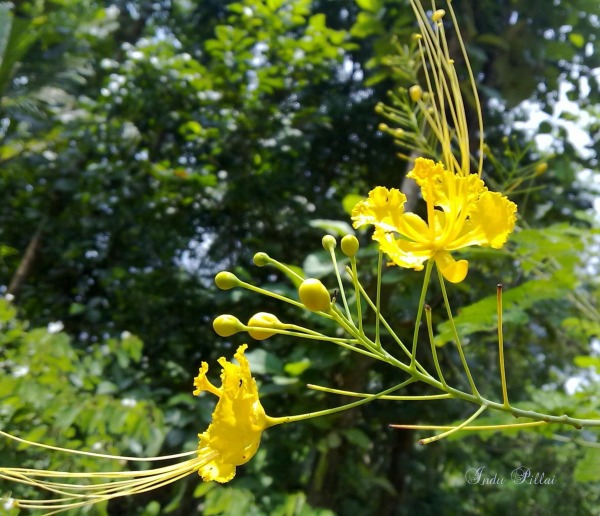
[5,26]
[334,227]
[350,201]
[587,361]
[586,469]
[317,265]
[366,24]
[577,39]
[263,362]
[297,368]
[273,5]
[369,5]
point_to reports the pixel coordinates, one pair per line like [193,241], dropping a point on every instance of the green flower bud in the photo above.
[314,295]
[226,280]
[227,325]
[263,320]
[261,259]
[329,242]
[350,245]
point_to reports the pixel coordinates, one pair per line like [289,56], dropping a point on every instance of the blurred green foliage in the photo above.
[146,145]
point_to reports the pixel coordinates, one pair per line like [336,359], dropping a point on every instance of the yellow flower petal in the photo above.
[237,421]
[383,208]
[404,253]
[496,216]
[454,271]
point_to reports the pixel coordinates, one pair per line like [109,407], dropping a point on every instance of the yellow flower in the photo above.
[461,212]
[238,419]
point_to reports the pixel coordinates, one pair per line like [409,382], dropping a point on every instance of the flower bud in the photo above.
[261,259]
[438,15]
[350,246]
[226,325]
[329,243]
[314,295]
[415,93]
[263,320]
[383,127]
[540,168]
[226,280]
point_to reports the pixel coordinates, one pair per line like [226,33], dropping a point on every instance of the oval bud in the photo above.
[415,93]
[263,320]
[226,325]
[261,259]
[350,246]
[314,295]
[226,280]
[540,168]
[438,15]
[329,242]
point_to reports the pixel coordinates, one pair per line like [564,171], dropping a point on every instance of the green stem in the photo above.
[433,348]
[309,415]
[357,293]
[456,337]
[395,398]
[378,298]
[345,343]
[454,429]
[339,280]
[389,329]
[283,268]
[420,313]
[501,346]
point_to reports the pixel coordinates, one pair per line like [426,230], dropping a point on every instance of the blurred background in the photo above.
[145,146]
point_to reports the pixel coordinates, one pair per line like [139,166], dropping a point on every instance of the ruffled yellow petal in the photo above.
[383,208]
[237,422]
[202,383]
[496,216]
[454,271]
[444,189]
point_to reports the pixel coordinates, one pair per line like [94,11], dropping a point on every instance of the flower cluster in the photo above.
[461,212]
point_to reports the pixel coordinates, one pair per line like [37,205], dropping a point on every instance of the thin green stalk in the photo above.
[309,415]
[420,313]
[454,429]
[433,348]
[389,328]
[394,398]
[357,293]
[350,344]
[340,284]
[456,337]
[501,345]
[378,298]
